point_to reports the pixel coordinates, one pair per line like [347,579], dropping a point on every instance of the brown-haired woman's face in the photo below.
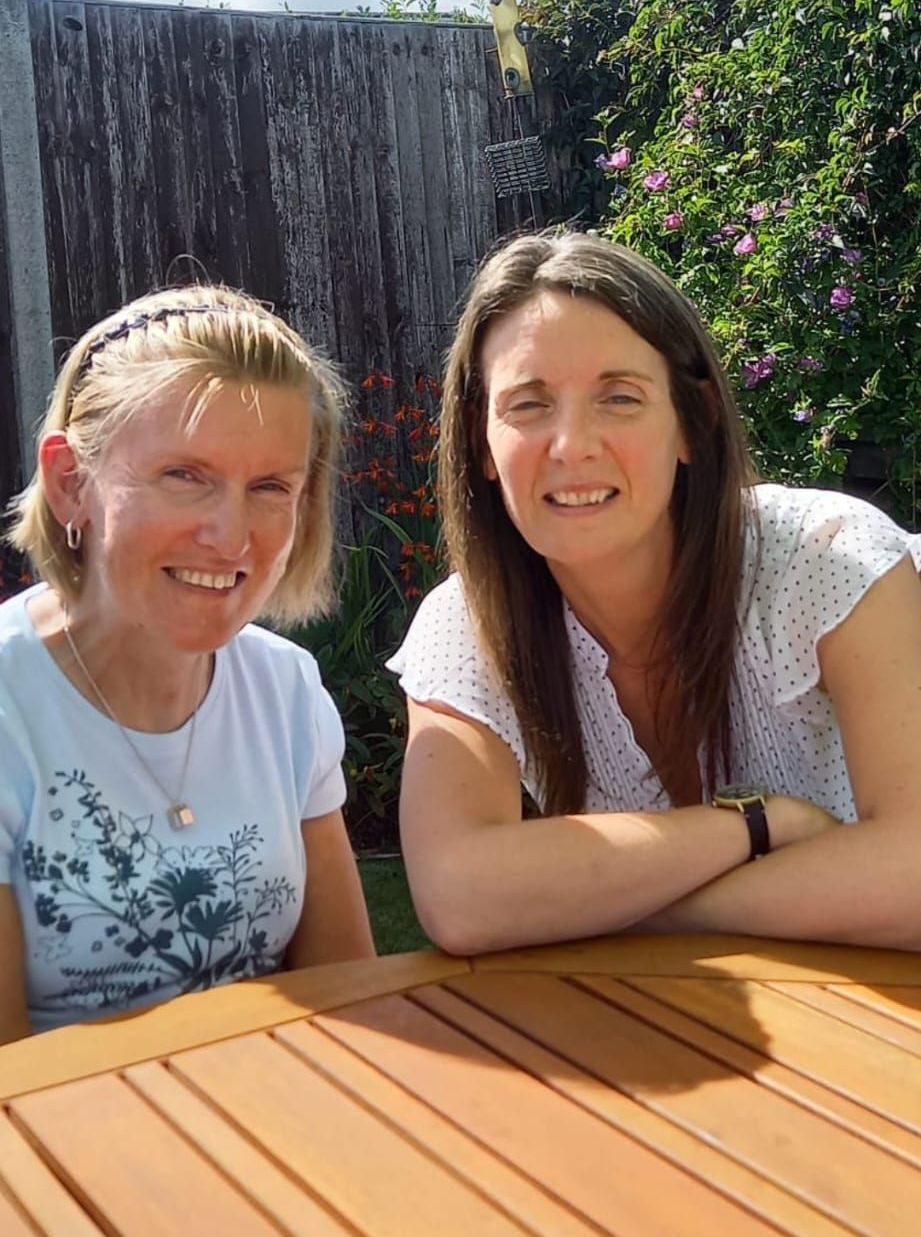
[582,436]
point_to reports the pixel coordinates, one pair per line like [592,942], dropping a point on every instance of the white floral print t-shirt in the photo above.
[119,909]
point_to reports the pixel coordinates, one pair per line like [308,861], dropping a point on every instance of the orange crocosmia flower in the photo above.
[407,550]
[417,414]
[392,509]
[369,426]
[408,508]
[389,431]
[385,380]
[429,509]
[422,492]
[400,414]
[434,430]
[412,591]
[368,383]
[415,434]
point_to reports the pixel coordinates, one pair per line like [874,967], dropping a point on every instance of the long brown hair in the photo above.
[514,598]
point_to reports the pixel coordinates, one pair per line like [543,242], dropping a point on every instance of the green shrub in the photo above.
[768,158]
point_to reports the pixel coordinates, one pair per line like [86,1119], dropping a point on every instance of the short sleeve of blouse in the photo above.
[822,550]
[326,790]
[441,661]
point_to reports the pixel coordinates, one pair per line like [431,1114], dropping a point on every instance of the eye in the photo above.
[529,406]
[180,474]
[620,399]
[270,486]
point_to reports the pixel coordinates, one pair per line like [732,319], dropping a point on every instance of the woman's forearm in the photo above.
[858,884]
[502,886]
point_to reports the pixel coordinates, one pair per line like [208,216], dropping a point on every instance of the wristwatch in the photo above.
[749,800]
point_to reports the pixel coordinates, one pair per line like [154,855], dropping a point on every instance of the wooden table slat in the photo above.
[207,1017]
[744,1060]
[876,1074]
[903,1004]
[12,1222]
[709,1164]
[523,1199]
[351,1159]
[712,957]
[873,1022]
[614,1181]
[706,1097]
[289,1205]
[131,1170]
[36,1189]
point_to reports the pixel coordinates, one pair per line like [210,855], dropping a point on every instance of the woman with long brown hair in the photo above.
[685,669]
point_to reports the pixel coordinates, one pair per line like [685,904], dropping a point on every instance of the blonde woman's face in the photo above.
[582,435]
[188,531]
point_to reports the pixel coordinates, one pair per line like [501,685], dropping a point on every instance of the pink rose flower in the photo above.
[748,244]
[657,182]
[841,298]
[674,222]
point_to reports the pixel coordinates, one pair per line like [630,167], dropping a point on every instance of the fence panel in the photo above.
[333,167]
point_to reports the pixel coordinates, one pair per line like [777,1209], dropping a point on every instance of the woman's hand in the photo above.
[794,820]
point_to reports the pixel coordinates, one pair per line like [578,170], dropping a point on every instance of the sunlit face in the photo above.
[581,431]
[188,531]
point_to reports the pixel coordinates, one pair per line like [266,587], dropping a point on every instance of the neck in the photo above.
[147,687]
[621,603]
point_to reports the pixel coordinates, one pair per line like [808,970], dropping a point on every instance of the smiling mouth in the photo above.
[581,498]
[221,583]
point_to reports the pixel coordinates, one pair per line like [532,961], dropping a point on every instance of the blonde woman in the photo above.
[170,783]
[634,625]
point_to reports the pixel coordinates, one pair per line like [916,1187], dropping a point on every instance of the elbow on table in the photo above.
[452,916]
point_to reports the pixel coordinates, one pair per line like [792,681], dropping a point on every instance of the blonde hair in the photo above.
[203,337]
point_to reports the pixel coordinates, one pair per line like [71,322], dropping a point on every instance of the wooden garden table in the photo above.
[706,1085]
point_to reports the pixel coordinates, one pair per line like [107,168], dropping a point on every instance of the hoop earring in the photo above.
[73,535]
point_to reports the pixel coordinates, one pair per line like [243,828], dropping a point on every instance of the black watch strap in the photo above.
[758,833]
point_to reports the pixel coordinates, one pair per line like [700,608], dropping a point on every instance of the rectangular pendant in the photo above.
[180,816]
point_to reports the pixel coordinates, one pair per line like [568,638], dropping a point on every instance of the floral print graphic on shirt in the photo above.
[186,917]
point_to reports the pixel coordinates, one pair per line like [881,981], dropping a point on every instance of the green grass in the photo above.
[393,919]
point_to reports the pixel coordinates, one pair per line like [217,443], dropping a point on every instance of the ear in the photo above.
[489,467]
[61,478]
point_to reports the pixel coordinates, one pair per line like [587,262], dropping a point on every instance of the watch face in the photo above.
[740,792]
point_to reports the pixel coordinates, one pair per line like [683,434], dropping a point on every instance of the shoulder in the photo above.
[21,654]
[442,661]
[262,651]
[15,627]
[812,534]
[443,625]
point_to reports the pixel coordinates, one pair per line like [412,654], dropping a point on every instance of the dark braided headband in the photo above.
[142,320]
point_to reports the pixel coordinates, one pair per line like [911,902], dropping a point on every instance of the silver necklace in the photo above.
[179,814]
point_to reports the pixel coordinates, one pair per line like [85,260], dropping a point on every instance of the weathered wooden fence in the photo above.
[332,167]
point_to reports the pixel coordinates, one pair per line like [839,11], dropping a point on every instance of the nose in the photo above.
[225,528]
[575,433]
